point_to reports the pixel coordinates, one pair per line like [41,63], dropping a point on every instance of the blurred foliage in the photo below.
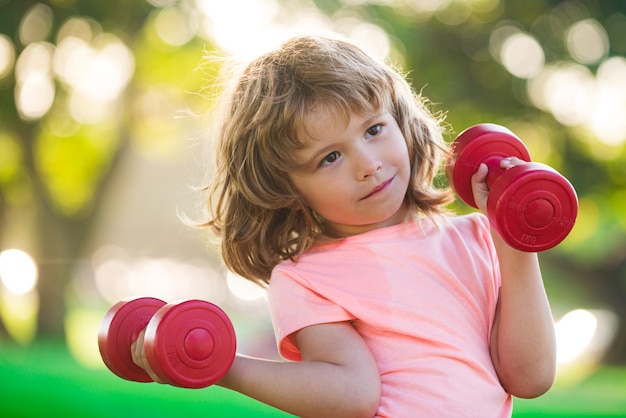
[55,169]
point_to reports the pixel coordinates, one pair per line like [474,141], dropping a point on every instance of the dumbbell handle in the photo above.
[119,329]
[538,212]
[496,142]
[495,169]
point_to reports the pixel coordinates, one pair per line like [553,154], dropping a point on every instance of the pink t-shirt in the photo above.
[422,299]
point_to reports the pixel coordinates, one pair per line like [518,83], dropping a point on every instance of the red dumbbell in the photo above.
[188,344]
[531,206]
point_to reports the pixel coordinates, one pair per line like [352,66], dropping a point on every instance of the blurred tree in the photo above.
[550,70]
[60,142]
[59,173]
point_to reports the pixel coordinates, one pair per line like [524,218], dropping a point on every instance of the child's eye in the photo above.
[374,130]
[330,158]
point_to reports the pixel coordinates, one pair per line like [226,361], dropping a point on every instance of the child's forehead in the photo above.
[321,119]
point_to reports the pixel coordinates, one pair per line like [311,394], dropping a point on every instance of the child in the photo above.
[385,304]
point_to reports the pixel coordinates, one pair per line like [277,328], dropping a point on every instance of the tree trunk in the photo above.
[55,254]
[60,240]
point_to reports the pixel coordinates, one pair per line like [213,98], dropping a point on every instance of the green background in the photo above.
[45,381]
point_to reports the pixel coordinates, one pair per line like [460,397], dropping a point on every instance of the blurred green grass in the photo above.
[45,381]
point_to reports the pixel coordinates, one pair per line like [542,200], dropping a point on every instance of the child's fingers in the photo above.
[481,174]
[139,356]
[509,162]
[480,188]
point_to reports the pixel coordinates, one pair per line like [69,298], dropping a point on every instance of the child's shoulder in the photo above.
[475,223]
[474,219]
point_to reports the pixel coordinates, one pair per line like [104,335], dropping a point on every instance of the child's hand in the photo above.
[479,181]
[139,356]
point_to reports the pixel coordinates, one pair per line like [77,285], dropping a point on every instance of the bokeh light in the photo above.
[20,304]
[267,23]
[566,90]
[81,329]
[607,120]
[34,90]
[18,271]
[244,289]
[574,333]
[7,55]
[120,275]
[587,41]
[256,16]
[19,315]
[428,7]
[577,97]
[583,337]
[569,90]
[175,26]
[95,73]
[36,24]
[522,55]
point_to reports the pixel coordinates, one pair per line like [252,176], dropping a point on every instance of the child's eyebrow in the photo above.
[311,161]
[372,118]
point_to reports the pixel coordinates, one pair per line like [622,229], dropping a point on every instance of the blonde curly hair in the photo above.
[254,209]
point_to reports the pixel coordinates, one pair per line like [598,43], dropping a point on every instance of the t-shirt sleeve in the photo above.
[294,305]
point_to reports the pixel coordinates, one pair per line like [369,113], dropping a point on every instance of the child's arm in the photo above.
[337,376]
[523,346]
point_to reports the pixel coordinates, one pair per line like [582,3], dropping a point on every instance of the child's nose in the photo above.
[368,165]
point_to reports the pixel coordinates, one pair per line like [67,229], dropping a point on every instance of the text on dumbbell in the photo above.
[528,239]
[173,357]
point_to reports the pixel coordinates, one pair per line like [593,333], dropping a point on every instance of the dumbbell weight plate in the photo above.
[477,145]
[534,207]
[190,344]
[119,329]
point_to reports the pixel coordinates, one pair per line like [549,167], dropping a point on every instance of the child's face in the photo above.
[356,175]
